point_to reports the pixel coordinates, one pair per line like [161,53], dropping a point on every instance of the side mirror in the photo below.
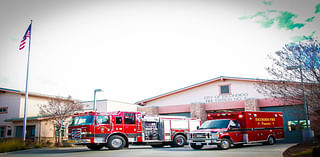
[198,127]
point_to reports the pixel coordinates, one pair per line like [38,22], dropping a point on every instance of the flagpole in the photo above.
[26,92]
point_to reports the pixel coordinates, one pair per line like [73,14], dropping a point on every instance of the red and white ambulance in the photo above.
[238,128]
[116,130]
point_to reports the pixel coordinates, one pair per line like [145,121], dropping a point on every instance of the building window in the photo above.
[9,131]
[303,124]
[2,129]
[3,110]
[225,89]
[62,131]
[297,125]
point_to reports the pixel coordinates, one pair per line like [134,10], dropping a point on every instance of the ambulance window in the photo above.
[234,124]
[129,118]
[118,120]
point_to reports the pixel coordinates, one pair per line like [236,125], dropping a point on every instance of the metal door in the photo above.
[167,130]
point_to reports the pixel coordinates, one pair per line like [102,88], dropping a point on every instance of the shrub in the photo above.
[316,151]
[37,145]
[66,145]
[305,152]
[8,145]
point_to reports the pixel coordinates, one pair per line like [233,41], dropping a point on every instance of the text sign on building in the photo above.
[226,97]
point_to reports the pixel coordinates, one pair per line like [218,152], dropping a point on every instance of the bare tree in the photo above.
[296,69]
[59,110]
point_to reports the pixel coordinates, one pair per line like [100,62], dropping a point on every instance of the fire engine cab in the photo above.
[116,130]
[238,128]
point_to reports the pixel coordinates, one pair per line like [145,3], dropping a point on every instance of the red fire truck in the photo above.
[238,128]
[116,130]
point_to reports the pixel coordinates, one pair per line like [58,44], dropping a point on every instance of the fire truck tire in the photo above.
[270,141]
[194,146]
[116,142]
[94,146]
[225,144]
[179,141]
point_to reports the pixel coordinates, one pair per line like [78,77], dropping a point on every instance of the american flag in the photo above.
[26,35]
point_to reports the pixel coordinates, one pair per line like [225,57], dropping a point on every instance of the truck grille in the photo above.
[199,135]
[76,133]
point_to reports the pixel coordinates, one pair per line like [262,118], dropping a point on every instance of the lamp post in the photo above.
[308,134]
[94,98]
[303,94]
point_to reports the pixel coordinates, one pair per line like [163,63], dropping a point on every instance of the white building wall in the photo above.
[110,106]
[101,105]
[11,101]
[210,93]
[121,106]
[46,129]
[15,103]
[33,107]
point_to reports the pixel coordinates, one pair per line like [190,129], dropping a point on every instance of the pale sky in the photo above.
[136,49]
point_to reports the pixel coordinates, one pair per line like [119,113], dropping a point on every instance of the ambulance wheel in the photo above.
[94,146]
[271,140]
[179,141]
[194,146]
[225,144]
[116,142]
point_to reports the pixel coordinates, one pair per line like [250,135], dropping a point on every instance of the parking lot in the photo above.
[146,151]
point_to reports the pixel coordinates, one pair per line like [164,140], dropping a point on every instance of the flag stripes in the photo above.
[26,35]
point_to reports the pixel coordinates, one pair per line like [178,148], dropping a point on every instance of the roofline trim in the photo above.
[35,94]
[142,102]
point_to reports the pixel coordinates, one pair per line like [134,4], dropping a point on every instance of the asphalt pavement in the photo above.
[256,150]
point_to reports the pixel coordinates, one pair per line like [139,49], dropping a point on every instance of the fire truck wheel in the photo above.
[194,146]
[94,146]
[116,142]
[225,144]
[270,141]
[179,141]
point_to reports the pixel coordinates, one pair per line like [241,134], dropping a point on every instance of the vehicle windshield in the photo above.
[215,124]
[83,120]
